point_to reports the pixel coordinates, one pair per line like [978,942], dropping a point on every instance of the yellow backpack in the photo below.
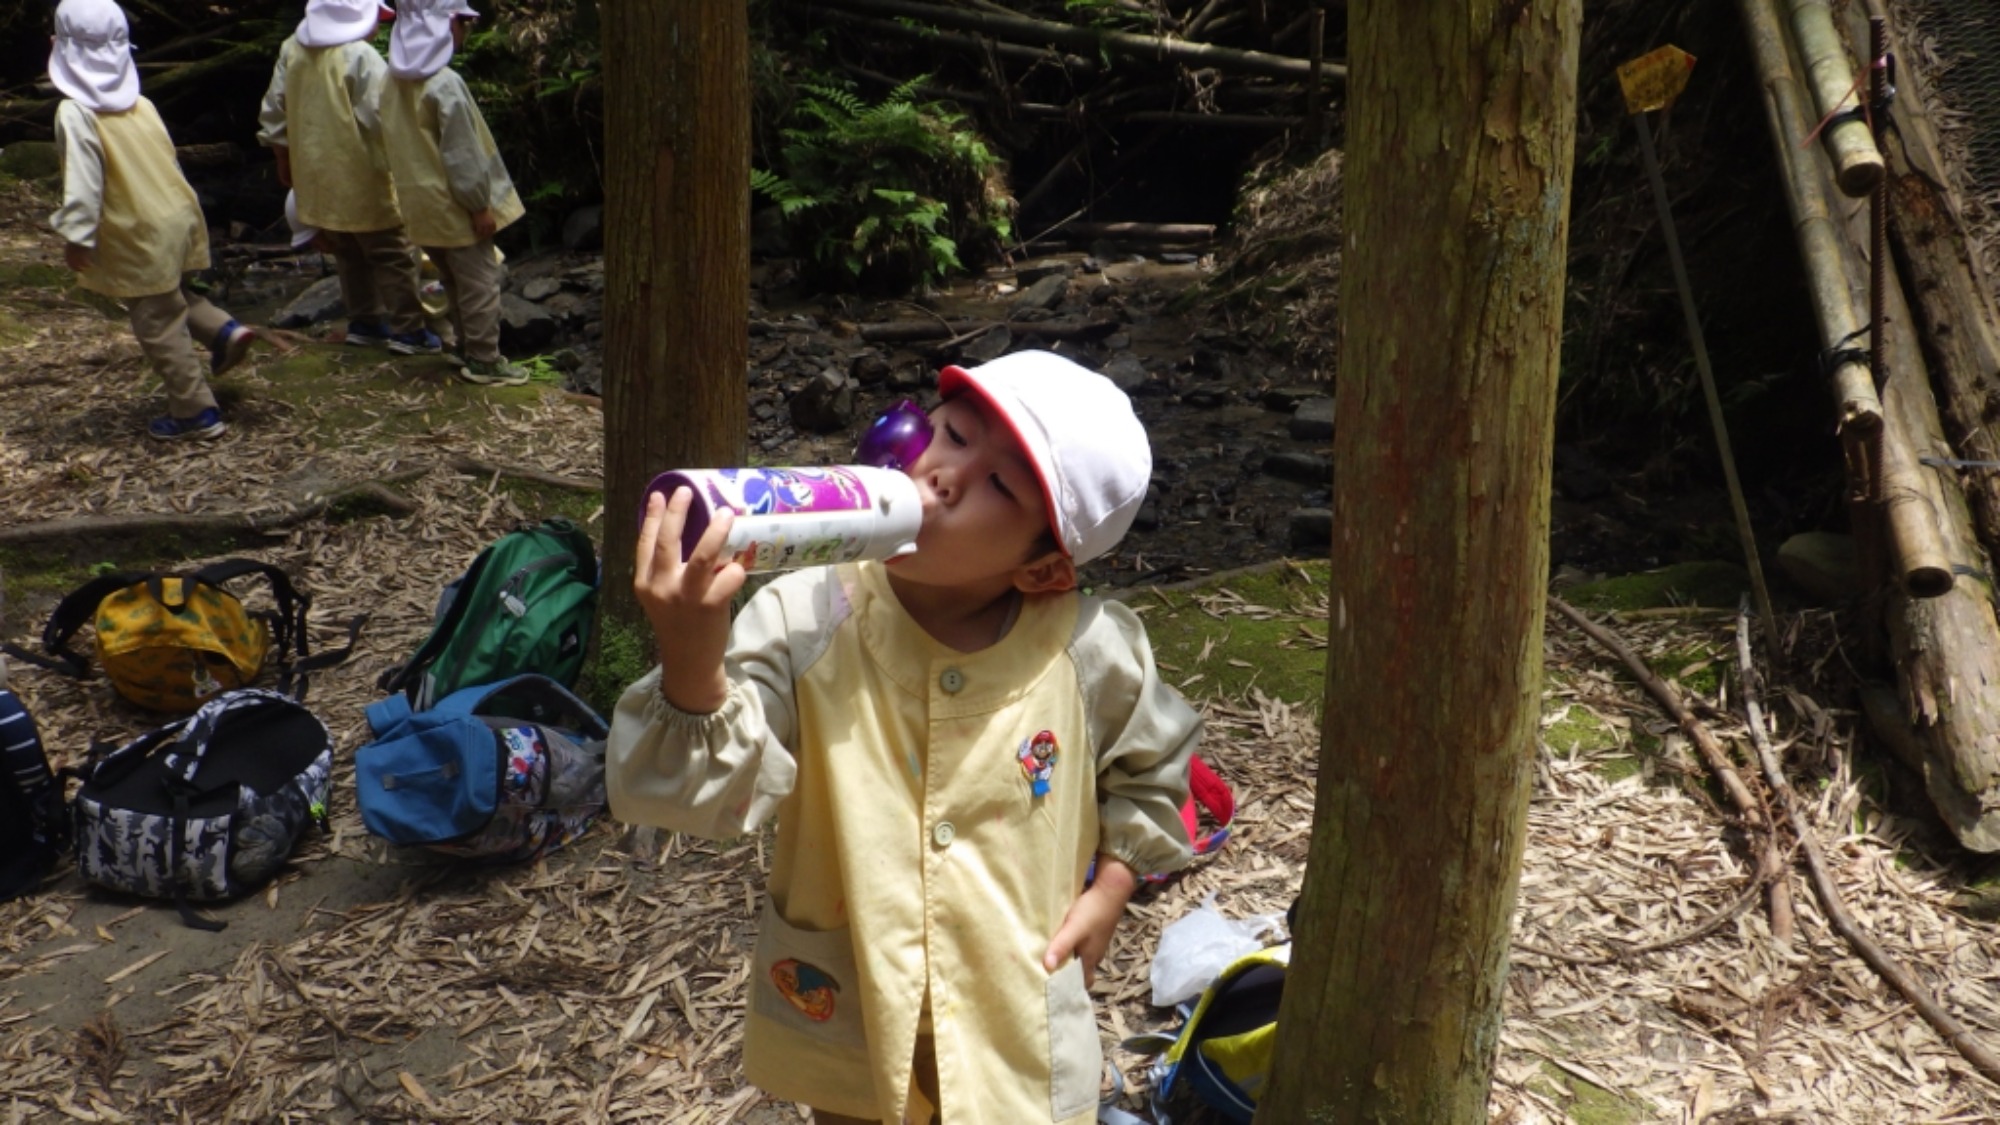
[171,642]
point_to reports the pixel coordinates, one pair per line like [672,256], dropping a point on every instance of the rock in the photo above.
[1045,294]
[1822,564]
[825,404]
[1207,396]
[987,346]
[1313,420]
[868,368]
[572,310]
[31,160]
[584,229]
[1028,274]
[1295,465]
[1311,529]
[320,302]
[541,289]
[1287,398]
[1148,518]
[906,377]
[1126,372]
[525,327]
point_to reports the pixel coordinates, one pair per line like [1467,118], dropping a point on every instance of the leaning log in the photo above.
[1034,32]
[1856,161]
[1951,293]
[1945,649]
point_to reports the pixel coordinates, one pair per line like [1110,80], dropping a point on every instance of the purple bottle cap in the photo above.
[896,439]
[697,515]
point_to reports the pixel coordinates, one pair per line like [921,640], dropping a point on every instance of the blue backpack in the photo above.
[502,772]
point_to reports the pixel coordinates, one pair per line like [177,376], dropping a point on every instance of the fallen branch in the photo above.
[1623,951]
[241,522]
[1144,232]
[1885,966]
[921,331]
[1769,863]
[479,468]
[1025,29]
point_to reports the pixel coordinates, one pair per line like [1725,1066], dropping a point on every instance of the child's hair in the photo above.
[1087,447]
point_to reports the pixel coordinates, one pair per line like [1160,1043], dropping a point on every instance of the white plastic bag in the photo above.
[1196,947]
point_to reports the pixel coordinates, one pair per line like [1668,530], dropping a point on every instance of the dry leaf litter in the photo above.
[606,983]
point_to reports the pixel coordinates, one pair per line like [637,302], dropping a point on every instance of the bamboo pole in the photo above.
[1881,465]
[1945,649]
[1856,160]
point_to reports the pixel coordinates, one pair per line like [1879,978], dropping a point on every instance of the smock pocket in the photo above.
[1076,1059]
[805,981]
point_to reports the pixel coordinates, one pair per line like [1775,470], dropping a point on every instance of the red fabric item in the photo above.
[1207,790]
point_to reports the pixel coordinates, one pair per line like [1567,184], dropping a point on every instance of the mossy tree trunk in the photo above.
[676,256]
[1461,126]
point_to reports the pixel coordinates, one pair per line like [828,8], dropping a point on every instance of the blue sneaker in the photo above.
[232,343]
[421,342]
[201,427]
[367,333]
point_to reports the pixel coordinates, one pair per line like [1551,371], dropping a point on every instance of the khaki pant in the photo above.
[378,278]
[472,276]
[168,326]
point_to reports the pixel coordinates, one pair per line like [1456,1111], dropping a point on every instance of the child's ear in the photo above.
[1051,574]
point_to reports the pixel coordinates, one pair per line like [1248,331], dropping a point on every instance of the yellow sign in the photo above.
[1653,80]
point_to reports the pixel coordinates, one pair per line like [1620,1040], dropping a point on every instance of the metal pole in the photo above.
[1700,344]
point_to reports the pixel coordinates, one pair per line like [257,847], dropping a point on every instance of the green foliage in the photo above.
[892,192]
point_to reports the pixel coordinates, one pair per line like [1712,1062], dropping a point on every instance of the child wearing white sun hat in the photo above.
[948,742]
[455,191]
[130,223]
[321,95]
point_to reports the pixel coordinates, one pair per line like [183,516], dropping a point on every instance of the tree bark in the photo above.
[1461,138]
[677,256]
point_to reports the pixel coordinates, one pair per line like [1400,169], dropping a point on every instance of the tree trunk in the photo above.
[676,257]
[1461,131]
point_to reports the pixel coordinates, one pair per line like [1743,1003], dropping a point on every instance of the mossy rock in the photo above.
[31,160]
[1715,584]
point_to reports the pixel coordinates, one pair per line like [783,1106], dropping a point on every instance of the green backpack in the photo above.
[526,604]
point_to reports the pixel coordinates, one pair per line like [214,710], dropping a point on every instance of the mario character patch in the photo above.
[808,988]
[1038,761]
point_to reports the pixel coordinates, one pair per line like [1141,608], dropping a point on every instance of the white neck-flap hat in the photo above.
[301,233]
[1078,431]
[329,23]
[420,45]
[92,57]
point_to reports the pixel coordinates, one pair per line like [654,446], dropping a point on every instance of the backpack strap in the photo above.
[71,614]
[399,677]
[288,625]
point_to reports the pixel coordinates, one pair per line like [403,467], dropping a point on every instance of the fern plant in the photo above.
[892,193]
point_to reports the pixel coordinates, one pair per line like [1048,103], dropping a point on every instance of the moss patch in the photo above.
[1716,584]
[542,501]
[31,160]
[345,394]
[620,656]
[34,275]
[1265,629]
[1587,1103]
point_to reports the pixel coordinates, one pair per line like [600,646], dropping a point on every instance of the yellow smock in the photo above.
[312,107]
[913,856]
[446,165]
[125,197]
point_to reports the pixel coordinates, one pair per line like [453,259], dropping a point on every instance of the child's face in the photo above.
[461,26]
[983,505]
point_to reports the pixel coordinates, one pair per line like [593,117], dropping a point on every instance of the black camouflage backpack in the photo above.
[208,807]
